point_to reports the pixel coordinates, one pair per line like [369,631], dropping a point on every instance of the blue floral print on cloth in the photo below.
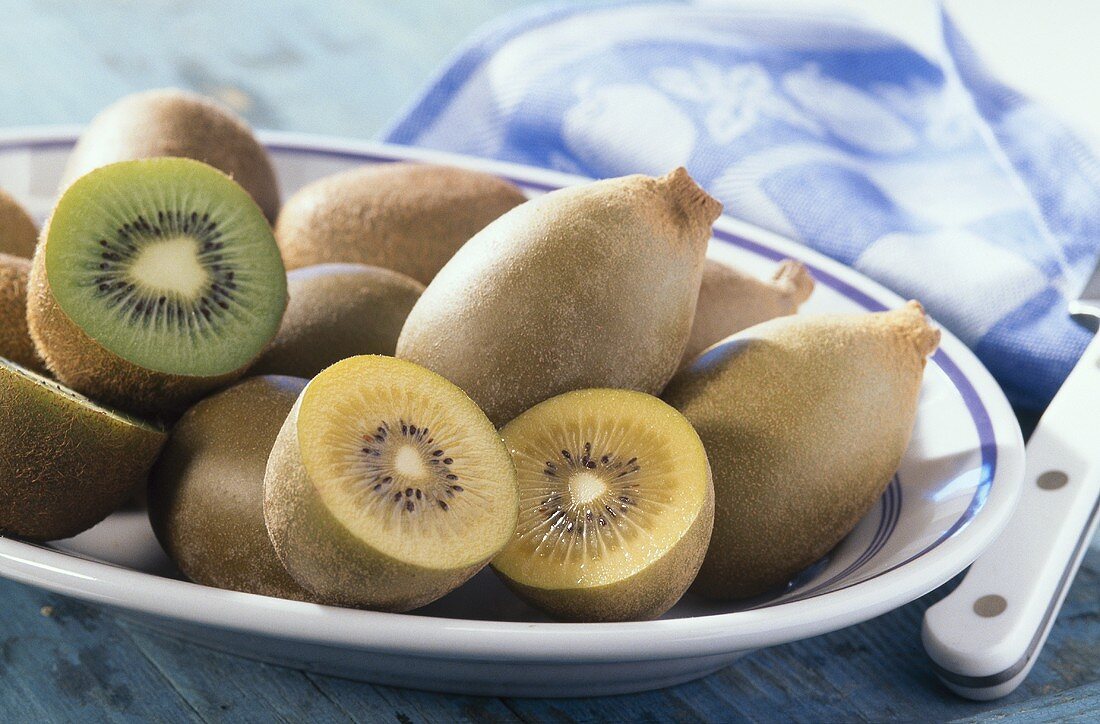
[892,152]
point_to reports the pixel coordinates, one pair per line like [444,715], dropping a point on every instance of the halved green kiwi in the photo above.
[155,281]
[616,506]
[66,463]
[387,486]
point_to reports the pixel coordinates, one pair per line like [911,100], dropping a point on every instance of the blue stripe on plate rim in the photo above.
[891,502]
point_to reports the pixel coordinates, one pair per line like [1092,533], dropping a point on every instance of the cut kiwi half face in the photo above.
[65,462]
[616,506]
[387,486]
[161,270]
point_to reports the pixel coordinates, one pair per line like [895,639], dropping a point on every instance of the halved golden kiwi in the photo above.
[616,506]
[387,486]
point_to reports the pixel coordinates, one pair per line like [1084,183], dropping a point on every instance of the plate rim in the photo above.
[517,641]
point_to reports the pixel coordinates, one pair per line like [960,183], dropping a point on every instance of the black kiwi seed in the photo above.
[118,292]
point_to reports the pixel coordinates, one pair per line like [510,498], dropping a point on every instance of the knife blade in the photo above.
[985,636]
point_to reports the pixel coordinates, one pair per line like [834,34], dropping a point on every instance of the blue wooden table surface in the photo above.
[347,67]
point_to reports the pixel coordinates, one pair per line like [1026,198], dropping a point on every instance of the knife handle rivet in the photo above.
[1052,480]
[990,606]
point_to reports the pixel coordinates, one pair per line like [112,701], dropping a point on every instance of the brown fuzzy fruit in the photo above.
[18,234]
[206,492]
[338,311]
[65,462]
[172,122]
[409,217]
[805,420]
[588,287]
[15,340]
[731,300]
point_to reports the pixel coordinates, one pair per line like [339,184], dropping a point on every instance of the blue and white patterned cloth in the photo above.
[898,156]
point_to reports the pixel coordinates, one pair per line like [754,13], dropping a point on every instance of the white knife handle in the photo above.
[985,636]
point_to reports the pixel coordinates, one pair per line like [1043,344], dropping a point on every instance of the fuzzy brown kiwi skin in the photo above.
[630,251]
[80,362]
[206,489]
[731,300]
[171,122]
[64,466]
[644,596]
[324,556]
[338,311]
[18,234]
[805,420]
[408,217]
[15,340]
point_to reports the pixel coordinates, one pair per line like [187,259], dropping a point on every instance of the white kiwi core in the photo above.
[409,463]
[586,487]
[171,265]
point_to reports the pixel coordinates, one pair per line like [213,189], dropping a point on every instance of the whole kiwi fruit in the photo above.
[15,341]
[66,463]
[805,420]
[387,487]
[586,287]
[155,281]
[616,506]
[409,217]
[731,300]
[18,234]
[172,122]
[338,311]
[206,491]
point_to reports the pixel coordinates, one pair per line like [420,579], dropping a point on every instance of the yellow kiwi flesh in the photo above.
[18,234]
[172,122]
[338,311]
[805,420]
[616,506]
[589,286]
[66,463]
[409,217]
[387,487]
[15,340]
[206,491]
[731,300]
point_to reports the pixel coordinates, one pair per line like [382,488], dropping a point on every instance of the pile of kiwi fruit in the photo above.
[451,376]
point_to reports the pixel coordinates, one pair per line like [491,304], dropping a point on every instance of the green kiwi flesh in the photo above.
[338,311]
[18,234]
[66,463]
[616,506]
[387,487]
[172,122]
[805,420]
[206,491]
[156,280]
